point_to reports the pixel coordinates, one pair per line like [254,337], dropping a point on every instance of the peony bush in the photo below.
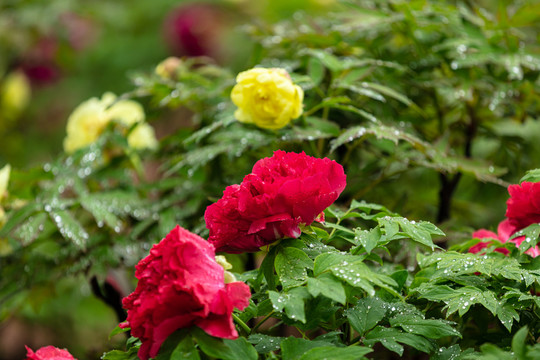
[318,203]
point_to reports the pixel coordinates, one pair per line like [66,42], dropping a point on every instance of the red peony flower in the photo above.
[505,230]
[282,192]
[48,353]
[181,285]
[486,234]
[523,206]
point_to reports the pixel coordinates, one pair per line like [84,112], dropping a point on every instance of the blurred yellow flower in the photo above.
[4,180]
[126,112]
[88,121]
[14,95]
[167,68]
[143,137]
[267,98]
[85,124]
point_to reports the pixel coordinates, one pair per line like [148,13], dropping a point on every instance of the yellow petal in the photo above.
[4,180]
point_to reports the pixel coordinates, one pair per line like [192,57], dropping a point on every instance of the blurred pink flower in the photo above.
[48,353]
[194,30]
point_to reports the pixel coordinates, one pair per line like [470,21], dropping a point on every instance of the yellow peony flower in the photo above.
[267,98]
[143,137]
[85,124]
[89,120]
[126,112]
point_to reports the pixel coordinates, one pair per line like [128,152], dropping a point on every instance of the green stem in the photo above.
[242,324]
[262,321]
[303,334]
[333,231]
[355,343]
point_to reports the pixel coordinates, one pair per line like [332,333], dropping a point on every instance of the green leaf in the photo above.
[294,348]
[177,346]
[391,337]
[224,349]
[332,352]
[210,345]
[531,233]
[315,70]
[373,210]
[242,349]
[507,314]
[200,134]
[494,264]
[353,76]
[117,330]
[368,239]
[324,126]
[267,268]
[200,156]
[167,221]
[122,203]
[132,344]
[327,59]
[291,265]
[459,299]
[380,131]
[391,227]
[491,352]
[321,233]
[387,91]
[534,351]
[340,228]
[363,91]
[418,232]
[327,285]
[18,216]
[429,328]
[70,228]
[292,301]
[361,276]
[518,343]
[352,270]
[265,343]
[30,229]
[400,276]
[130,354]
[325,261]
[100,212]
[250,312]
[450,353]
[353,109]
[264,308]
[366,314]
[531,176]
